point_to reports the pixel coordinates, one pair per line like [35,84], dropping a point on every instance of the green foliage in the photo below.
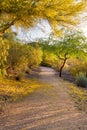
[3,56]
[73,45]
[22,56]
[81,80]
[49,59]
[16,59]
[78,66]
[28,12]
[34,55]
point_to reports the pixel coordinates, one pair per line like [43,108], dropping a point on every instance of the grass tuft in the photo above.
[79,95]
[81,80]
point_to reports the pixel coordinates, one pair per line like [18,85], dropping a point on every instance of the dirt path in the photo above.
[45,109]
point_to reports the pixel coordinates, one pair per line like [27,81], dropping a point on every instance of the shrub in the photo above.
[49,59]
[3,56]
[81,80]
[78,67]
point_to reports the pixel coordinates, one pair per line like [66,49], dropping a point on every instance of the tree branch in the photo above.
[65,56]
[7,26]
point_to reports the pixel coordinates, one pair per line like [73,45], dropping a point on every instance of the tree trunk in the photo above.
[61,68]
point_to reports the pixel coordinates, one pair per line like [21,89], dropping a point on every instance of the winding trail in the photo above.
[48,108]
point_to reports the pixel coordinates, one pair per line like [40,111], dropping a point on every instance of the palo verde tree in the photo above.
[73,45]
[27,13]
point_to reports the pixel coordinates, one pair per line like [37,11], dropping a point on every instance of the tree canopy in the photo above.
[73,45]
[28,12]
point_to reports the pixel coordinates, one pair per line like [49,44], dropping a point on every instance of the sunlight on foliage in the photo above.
[34,55]
[78,66]
[27,13]
[3,56]
[73,45]
[49,58]
[14,90]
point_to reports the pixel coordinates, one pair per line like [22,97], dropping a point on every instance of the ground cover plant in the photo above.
[79,95]
[12,90]
[81,80]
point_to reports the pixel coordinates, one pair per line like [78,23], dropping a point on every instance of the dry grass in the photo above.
[79,95]
[13,90]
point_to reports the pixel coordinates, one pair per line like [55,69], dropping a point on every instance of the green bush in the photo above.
[78,67]
[4,46]
[81,80]
[49,59]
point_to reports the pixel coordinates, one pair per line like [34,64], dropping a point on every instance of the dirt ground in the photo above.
[48,108]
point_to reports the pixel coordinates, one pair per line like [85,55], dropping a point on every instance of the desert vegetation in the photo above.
[64,50]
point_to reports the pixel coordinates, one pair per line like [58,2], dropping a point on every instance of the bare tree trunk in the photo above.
[61,68]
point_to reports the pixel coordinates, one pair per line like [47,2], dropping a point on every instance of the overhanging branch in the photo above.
[6,26]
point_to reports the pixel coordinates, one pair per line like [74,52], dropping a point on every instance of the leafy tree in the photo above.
[21,57]
[73,45]
[28,12]
[16,60]
[34,55]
